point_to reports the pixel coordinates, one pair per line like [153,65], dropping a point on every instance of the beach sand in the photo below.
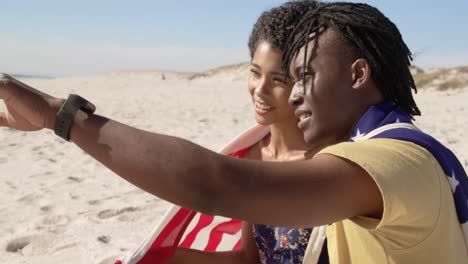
[58,205]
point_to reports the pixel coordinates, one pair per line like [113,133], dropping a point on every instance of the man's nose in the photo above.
[296,97]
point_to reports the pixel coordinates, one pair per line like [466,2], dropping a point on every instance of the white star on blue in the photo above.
[453,182]
[358,136]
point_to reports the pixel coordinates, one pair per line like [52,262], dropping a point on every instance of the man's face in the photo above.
[325,103]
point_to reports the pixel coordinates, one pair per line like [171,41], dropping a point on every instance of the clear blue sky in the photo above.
[81,37]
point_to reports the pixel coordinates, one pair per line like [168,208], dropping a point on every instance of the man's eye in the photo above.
[298,83]
[307,73]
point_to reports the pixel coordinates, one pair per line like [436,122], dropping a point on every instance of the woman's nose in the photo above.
[261,86]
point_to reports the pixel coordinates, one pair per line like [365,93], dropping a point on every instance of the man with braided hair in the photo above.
[351,69]
[370,35]
[388,192]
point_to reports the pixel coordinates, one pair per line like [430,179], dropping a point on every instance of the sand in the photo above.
[58,205]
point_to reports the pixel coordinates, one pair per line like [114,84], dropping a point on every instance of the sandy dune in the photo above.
[57,205]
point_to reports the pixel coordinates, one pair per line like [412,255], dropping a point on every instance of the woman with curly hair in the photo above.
[269,88]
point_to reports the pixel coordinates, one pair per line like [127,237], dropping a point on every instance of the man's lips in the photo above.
[304,117]
[302,114]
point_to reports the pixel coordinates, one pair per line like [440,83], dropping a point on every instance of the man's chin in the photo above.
[312,136]
[308,138]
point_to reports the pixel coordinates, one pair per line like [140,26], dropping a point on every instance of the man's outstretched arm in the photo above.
[314,192]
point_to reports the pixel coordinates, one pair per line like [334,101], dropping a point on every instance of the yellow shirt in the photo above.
[419,222]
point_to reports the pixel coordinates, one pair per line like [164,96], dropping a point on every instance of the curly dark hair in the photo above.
[373,36]
[275,25]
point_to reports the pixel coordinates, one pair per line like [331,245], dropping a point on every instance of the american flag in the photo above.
[385,120]
[181,227]
[186,228]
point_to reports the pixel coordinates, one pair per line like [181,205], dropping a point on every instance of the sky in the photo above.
[66,38]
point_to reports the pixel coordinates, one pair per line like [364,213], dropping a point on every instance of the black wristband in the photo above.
[66,114]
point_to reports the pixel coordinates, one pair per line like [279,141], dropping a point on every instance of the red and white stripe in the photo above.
[212,233]
[181,227]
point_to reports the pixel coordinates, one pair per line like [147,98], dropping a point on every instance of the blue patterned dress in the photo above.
[283,245]
[280,245]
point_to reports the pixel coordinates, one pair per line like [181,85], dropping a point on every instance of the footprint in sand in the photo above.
[30,198]
[16,245]
[104,239]
[73,196]
[75,179]
[94,202]
[64,247]
[30,245]
[114,212]
[46,208]
[10,184]
[56,220]
[36,148]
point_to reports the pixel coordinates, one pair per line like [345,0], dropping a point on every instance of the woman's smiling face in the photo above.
[268,86]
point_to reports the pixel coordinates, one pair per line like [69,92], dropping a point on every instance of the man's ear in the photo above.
[361,73]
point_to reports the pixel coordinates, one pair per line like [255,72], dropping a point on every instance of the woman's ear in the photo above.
[361,73]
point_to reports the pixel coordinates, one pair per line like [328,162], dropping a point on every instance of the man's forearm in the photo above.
[169,167]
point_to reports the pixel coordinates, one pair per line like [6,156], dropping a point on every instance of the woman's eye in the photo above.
[254,72]
[280,81]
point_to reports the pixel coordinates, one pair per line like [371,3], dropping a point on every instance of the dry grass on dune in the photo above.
[240,69]
[442,79]
[439,79]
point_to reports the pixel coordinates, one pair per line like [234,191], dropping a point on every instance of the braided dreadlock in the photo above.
[373,36]
[275,25]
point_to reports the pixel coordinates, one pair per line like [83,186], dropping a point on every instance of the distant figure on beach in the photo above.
[388,192]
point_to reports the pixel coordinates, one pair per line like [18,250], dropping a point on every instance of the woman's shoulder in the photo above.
[251,152]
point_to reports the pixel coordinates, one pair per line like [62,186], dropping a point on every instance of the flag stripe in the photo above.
[164,246]
[230,227]
[238,245]
[203,221]
[192,228]
[228,241]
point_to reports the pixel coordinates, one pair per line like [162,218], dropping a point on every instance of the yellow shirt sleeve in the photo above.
[408,177]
